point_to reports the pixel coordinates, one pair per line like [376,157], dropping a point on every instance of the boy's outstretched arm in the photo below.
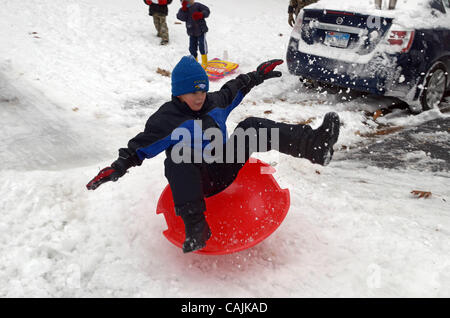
[147,144]
[118,168]
[245,82]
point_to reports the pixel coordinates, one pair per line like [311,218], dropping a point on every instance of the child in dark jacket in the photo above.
[181,126]
[158,10]
[194,14]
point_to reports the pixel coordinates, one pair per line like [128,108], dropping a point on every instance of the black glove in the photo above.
[263,72]
[118,168]
[105,175]
[266,70]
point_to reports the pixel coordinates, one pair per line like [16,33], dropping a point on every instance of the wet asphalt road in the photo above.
[425,148]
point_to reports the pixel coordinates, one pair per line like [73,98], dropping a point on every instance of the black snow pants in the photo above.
[192,182]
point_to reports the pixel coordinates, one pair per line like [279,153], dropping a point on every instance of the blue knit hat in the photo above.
[188,76]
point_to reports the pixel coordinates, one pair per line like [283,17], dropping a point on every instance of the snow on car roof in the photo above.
[408,13]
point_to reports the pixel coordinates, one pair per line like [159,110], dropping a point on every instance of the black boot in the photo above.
[197,231]
[320,145]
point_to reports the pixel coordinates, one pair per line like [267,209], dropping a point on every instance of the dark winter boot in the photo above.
[197,231]
[320,146]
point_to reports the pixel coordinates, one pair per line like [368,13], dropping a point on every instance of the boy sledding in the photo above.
[205,173]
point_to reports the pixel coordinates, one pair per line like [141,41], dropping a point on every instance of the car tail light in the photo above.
[401,39]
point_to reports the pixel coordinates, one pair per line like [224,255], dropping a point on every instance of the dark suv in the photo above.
[376,53]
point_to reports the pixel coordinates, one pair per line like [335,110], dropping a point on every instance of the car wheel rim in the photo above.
[436,88]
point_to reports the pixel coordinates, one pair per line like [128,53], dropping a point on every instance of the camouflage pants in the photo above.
[161,26]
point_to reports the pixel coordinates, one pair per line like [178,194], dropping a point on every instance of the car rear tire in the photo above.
[435,86]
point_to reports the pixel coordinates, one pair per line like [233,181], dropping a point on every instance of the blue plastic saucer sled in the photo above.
[241,216]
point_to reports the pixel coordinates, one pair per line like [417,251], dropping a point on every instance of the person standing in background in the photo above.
[158,10]
[194,15]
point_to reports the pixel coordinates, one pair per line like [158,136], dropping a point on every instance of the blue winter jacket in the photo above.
[194,28]
[158,134]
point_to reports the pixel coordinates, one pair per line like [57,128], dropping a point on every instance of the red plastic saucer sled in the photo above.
[240,217]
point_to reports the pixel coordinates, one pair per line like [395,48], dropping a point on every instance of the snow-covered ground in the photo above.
[78,79]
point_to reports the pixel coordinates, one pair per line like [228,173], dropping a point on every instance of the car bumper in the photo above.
[382,75]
